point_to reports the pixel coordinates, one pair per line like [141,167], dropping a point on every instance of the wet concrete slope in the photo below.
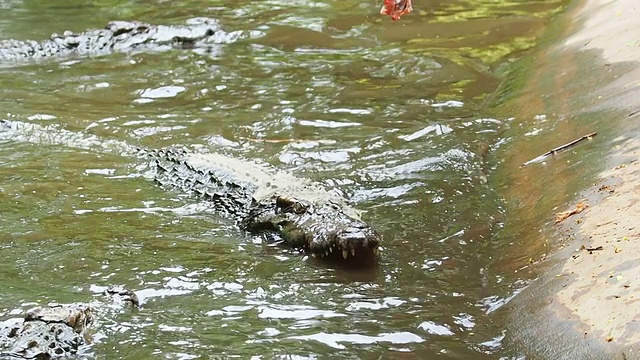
[585,305]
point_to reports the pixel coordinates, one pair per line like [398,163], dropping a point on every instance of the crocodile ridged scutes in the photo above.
[230,195]
[119,36]
[56,331]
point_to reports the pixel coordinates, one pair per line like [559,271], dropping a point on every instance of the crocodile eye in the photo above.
[283,202]
[288,205]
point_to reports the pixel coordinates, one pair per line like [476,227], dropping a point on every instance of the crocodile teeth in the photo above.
[353,251]
[326,253]
[330,249]
[345,253]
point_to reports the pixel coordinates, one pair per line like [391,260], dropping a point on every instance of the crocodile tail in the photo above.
[24,132]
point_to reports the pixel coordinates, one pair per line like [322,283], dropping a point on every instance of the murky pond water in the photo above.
[392,113]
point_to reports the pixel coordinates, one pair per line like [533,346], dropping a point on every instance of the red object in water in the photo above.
[396,8]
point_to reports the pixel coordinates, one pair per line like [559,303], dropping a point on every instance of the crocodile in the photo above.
[118,36]
[279,207]
[56,330]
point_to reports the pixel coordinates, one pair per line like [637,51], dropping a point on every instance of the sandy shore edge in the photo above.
[587,306]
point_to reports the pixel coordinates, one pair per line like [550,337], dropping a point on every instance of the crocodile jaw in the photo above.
[324,232]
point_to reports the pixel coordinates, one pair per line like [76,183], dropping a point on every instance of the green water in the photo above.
[393,113]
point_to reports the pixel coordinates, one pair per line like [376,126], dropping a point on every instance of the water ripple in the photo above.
[334,340]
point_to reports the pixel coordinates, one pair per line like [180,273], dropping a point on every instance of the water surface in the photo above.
[392,113]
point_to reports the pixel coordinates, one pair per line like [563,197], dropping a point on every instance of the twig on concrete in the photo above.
[558,149]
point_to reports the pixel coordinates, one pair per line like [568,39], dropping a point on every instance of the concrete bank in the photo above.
[587,305]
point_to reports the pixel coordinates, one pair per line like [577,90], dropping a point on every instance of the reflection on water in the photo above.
[391,113]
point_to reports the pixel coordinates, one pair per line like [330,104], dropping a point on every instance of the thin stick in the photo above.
[559,148]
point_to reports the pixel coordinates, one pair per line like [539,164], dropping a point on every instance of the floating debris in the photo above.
[396,8]
[565,214]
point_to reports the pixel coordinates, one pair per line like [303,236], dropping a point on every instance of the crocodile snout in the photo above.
[357,240]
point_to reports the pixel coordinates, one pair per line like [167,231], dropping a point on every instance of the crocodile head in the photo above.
[325,230]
